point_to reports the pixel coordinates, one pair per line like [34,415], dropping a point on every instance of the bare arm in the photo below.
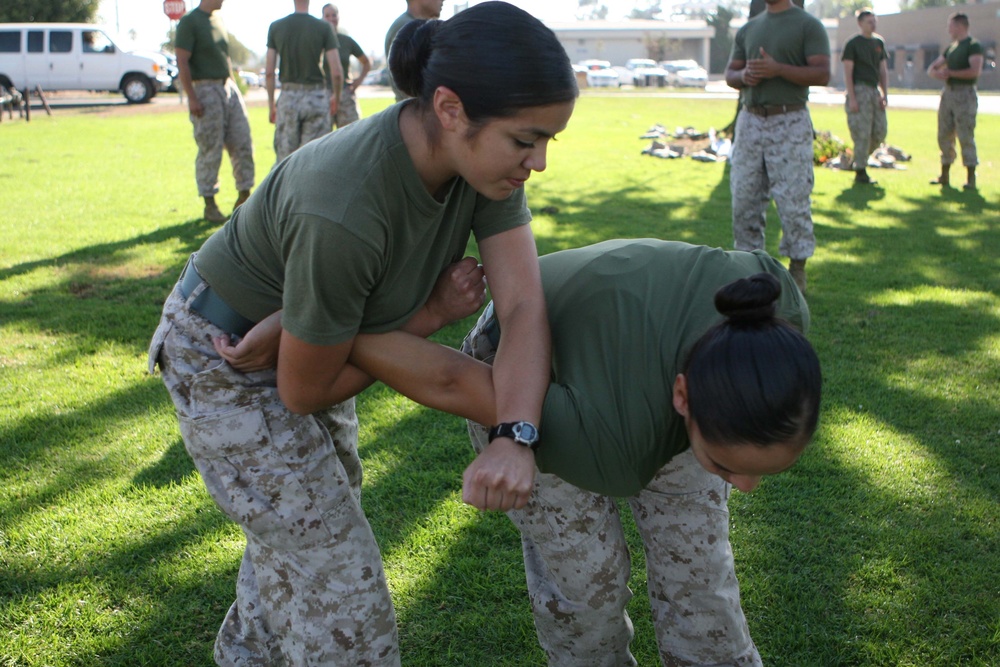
[184,74]
[935,68]
[502,476]
[336,78]
[852,100]
[883,80]
[973,71]
[366,66]
[735,73]
[816,71]
[459,292]
[269,84]
[430,374]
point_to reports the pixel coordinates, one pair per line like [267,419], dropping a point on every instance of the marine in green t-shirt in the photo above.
[367,254]
[206,39]
[959,68]
[790,37]
[347,47]
[958,56]
[301,42]
[624,315]
[867,54]
[866,79]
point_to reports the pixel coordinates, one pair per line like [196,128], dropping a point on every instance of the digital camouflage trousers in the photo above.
[311,588]
[957,118]
[773,158]
[300,117]
[223,124]
[868,124]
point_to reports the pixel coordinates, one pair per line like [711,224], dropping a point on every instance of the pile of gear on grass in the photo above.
[833,153]
[687,141]
[712,146]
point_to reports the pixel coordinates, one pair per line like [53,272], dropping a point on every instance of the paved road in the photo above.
[988,104]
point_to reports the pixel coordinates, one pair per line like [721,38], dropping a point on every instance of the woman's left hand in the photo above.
[460,291]
[256,351]
[501,478]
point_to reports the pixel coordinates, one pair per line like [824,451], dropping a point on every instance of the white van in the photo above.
[76,56]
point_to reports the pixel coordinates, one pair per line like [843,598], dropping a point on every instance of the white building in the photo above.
[618,41]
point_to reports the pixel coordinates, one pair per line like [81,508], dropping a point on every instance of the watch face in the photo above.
[525,432]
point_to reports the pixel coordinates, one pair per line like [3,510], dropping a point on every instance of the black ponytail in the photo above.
[753,378]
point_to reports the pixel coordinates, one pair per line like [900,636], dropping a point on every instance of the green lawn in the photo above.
[882,547]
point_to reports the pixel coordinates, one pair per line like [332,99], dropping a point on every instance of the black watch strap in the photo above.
[523,433]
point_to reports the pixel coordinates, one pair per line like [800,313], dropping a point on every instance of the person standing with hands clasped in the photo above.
[866,76]
[276,442]
[776,56]
[959,67]
[216,107]
[305,107]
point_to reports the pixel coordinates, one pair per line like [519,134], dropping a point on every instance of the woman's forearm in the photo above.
[430,374]
[522,367]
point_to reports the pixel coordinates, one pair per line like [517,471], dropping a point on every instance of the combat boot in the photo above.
[212,212]
[244,195]
[797,267]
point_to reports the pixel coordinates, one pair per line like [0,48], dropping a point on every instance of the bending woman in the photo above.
[348,236]
[655,396]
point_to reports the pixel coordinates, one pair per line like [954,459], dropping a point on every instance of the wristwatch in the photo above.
[523,433]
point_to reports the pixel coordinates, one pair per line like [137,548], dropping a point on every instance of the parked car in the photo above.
[251,79]
[645,72]
[599,73]
[172,71]
[377,77]
[685,73]
[77,56]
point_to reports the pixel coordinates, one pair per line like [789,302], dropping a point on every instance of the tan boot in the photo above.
[212,212]
[244,195]
[970,181]
[945,178]
[797,267]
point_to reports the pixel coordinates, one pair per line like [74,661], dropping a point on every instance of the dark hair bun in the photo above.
[749,300]
[409,53]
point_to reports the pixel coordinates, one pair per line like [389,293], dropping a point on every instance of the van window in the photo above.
[36,41]
[60,41]
[10,41]
[95,41]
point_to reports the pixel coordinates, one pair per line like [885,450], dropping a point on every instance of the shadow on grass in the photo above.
[99,294]
[907,546]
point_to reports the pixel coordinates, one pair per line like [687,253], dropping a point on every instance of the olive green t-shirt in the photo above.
[345,237]
[790,37]
[623,315]
[301,41]
[204,36]
[957,54]
[867,54]
[348,47]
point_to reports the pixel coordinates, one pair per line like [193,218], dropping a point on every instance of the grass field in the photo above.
[882,547]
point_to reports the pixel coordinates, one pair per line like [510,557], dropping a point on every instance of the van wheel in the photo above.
[137,89]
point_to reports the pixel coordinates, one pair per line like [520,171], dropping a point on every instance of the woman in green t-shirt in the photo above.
[348,236]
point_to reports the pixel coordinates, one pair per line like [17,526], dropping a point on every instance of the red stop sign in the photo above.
[174,9]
